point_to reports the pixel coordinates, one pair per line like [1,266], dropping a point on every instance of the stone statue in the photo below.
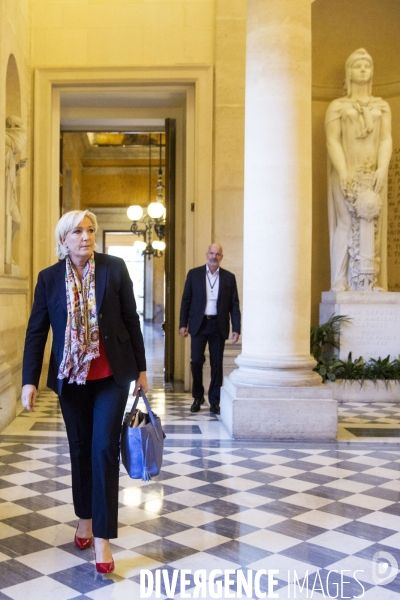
[15,142]
[359,142]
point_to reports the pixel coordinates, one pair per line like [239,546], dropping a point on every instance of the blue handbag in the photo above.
[142,441]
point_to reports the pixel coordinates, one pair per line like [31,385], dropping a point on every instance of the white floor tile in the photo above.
[247,499]
[269,540]
[335,472]
[282,471]
[341,542]
[189,498]
[199,539]
[121,590]
[16,492]
[322,519]
[50,561]
[347,485]
[307,500]
[62,513]
[381,519]
[193,516]
[129,515]
[297,485]
[23,478]
[131,537]
[42,588]
[56,535]
[128,563]
[369,502]
[185,483]
[257,518]
[232,470]
[9,509]
[240,484]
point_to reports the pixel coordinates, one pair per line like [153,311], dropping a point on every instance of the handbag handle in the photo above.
[141,394]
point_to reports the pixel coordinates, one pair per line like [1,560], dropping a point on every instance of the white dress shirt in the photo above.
[212,288]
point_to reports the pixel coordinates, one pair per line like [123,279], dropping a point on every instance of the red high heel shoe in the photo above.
[82,543]
[105,567]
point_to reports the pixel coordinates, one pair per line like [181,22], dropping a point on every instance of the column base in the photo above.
[279,371]
[278,413]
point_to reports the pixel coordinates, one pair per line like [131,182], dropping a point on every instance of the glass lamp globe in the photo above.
[155,210]
[135,212]
[158,245]
[140,245]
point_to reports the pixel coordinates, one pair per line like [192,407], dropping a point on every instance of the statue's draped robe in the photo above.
[360,137]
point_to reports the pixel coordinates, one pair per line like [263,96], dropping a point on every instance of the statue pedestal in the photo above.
[374,329]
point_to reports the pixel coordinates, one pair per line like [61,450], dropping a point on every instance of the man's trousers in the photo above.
[93,415]
[209,332]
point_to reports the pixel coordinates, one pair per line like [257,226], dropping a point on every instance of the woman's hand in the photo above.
[28,397]
[141,383]
[380,178]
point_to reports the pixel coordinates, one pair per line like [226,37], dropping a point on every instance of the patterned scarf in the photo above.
[81,343]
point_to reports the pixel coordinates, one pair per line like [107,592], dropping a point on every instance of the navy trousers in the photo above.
[209,332]
[93,415]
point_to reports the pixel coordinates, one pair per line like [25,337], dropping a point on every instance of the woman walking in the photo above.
[97,350]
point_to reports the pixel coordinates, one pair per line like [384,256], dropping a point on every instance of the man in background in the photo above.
[209,301]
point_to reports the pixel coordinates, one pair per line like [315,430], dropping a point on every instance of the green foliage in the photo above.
[326,335]
[352,370]
[383,368]
[327,367]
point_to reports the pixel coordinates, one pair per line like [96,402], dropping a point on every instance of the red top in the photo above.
[99,367]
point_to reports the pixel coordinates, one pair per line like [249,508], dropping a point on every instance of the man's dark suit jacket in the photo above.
[117,317]
[194,300]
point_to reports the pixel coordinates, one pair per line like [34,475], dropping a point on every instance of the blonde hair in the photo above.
[361,53]
[67,222]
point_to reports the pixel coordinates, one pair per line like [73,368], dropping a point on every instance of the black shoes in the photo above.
[214,408]
[196,404]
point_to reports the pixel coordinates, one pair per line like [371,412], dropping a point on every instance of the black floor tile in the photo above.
[297,529]
[229,528]
[164,551]
[214,490]
[222,508]
[30,522]
[313,554]
[162,526]
[46,486]
[365,531]
[38,503]
[84,578]
[271,491]
[238,552]
[13,572]
[349,511]
[208,476]
[283,509]
[22,544]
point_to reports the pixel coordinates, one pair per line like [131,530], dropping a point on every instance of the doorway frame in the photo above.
[197,84]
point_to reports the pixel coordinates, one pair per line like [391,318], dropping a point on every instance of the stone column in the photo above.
[275,393]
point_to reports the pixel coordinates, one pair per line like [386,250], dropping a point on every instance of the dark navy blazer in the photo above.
[194,301]
[117,317]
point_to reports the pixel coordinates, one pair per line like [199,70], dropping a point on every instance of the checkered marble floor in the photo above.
[328,510]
